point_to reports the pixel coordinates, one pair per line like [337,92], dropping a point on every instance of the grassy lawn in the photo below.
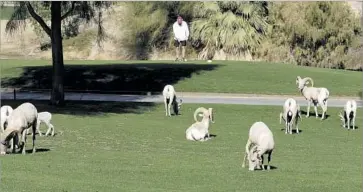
[198,76]
[139,149]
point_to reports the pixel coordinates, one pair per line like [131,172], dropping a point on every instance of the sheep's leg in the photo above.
[353,122]
[38,128]
[166,107]
[290,125]
[34,127]
[316,109]
[324,107]
[308,109]
[263,166]
[286,127]
[268,160]
[50,127]
[23,142]
[347,117]
[12,145]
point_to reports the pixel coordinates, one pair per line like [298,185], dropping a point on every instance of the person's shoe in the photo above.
[176,59]
[184,59]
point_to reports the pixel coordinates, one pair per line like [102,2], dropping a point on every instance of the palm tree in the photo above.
[234,27]
[59,10]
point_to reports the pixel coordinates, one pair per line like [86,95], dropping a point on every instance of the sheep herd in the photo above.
[15,123]
[260,141]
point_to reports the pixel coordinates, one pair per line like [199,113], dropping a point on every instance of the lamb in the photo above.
[313,95]
[170,99]
[44,117]
[349,114]
[199,130]
[253,161]
[291,114]
[22,118]
[261,136]
[5,112]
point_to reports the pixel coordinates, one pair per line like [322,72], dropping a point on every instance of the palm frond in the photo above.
[17,19]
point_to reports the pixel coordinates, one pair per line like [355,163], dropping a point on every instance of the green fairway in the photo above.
[198,76]
[134,147]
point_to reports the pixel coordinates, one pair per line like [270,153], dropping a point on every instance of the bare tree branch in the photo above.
[38,18]
[69,11]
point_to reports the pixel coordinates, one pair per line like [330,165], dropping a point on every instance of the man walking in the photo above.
[181,34]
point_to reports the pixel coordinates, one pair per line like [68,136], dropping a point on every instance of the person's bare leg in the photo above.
[177,50]
[183,53]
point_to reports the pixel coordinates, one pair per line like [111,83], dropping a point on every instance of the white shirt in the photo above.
[181,33]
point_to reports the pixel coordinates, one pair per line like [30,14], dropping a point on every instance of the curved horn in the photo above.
[211,116]
[199,110]
[309,79]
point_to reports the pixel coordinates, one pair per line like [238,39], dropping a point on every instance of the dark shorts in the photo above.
[182,43]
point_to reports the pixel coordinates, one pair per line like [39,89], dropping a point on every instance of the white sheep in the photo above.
[170,99]
[199,130]
[349,114]
[261,136]
[5,112]
[22,118]
[44,117]
[315,95]
[290,114]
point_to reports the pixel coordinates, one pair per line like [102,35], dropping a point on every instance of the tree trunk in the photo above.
[57,94]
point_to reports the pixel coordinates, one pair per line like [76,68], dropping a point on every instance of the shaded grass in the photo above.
[148,152]
[193,76]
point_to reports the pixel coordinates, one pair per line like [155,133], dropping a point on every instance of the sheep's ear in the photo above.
[181,101]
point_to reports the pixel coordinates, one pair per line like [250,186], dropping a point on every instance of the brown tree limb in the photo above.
[69,11]
[38,18]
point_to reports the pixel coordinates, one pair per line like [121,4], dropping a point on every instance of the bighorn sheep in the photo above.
[313,95]
[349,114]
[261,136]
[291,115]
[44,117]
[199,130]
[5,112]
[253,161]
[170,99]
[22,118]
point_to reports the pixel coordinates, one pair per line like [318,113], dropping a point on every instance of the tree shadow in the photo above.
[312,114]
[86,108]
[107,78]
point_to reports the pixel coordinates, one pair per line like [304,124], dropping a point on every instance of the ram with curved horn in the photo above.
[315,95]
[198,112]
[199,131]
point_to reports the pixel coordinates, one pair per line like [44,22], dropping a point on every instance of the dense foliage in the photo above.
[322,34]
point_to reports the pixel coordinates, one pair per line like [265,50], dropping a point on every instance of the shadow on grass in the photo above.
[293,131]
[86,108]
[108,77]
[271,168]
[312,114]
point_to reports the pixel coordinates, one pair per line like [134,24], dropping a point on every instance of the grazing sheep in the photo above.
[199,130]
[44,117]
[170,99]
[5,112]
[253,161]
[313,95]
[349,114]
[22,118]
[261,136]
[291,115]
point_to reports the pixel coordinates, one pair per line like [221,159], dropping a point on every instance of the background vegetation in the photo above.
[319,34]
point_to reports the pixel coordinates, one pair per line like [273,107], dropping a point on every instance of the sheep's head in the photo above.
[177,106]
[4,140]
[206,113]
[342,117]
[255,159]
[302,82]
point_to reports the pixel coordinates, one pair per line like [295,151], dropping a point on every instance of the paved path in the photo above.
[187,98]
